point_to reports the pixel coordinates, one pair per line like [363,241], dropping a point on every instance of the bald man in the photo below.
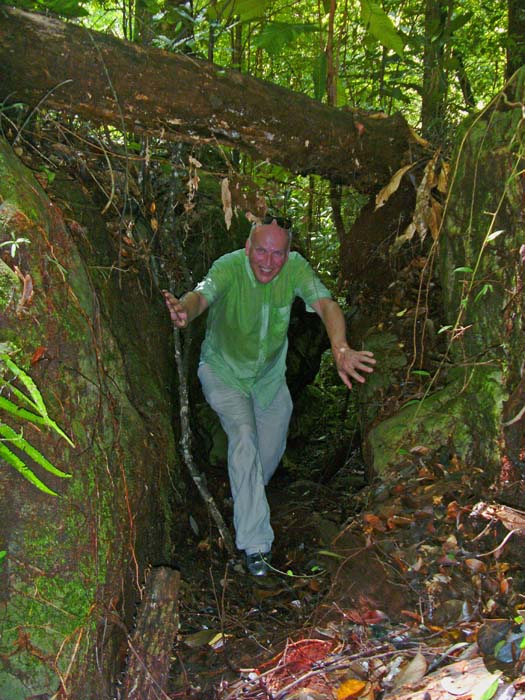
[249,294]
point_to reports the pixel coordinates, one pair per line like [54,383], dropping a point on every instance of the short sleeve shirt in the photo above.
[246,334]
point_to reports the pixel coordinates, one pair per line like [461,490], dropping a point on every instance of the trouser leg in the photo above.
[251,514]
[272,430]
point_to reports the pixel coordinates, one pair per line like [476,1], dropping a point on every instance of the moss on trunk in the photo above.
[97,346]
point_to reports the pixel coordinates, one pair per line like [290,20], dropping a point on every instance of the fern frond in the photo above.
[24,414]
[16,462]
[18,440]
[38,402]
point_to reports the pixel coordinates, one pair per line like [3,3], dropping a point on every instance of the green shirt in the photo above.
[246,335]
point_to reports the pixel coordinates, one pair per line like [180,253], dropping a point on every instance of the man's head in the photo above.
[267,248]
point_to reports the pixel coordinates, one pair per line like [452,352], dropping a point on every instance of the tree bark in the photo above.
[516,37]
[58,65]
[434,97]
[151,644]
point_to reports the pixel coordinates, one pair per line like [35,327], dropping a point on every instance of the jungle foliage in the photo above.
[435,61]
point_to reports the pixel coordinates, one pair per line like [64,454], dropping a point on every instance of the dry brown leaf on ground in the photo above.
[413,672]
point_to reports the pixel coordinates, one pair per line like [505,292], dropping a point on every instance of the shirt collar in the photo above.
[249,271]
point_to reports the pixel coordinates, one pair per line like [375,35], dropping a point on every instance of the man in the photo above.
[242,369]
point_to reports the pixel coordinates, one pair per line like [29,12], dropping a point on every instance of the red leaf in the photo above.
[37,355]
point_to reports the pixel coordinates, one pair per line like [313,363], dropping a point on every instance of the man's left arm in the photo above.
[349,363]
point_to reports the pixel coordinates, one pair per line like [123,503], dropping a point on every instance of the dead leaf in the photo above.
[425,216]
[226,202]
[193,161]
[27,291]
[420,450]
[399,521]
[37,355]
[374,522]
[352,688]
[199,639]
[476,565]
[511,518]
[442,181]
[388,190]
[413,672]
[419,139]
[435,215]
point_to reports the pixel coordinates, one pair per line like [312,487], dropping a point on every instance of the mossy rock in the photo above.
[461,418]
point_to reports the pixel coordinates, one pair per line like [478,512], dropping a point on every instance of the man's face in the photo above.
[267,250]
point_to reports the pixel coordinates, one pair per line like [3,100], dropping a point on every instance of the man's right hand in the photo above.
[179,315]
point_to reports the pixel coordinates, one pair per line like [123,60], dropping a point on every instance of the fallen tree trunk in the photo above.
[151,644]
[59,65]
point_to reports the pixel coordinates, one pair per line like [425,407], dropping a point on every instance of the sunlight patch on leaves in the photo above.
[246,10]
[276,35]
[379,24]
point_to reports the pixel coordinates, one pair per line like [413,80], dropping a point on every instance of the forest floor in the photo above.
[406,588]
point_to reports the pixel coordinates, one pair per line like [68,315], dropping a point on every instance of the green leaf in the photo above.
[276,35]
[16,462]
[379,24]
[490,690]
[458,22]
[328,553]
[443,329]
[463,269]
[24,415]
[66,8]
[37,403]
[244,9]
[421,372]
[17,440]
[483,291]
[20,413]
[48,173]
[492,236]
[397,94]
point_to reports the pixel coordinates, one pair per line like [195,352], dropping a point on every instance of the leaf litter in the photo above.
[412,591]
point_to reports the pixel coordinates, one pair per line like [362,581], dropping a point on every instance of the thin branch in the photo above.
[185,443]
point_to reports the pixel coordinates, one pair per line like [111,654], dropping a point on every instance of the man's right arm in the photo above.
[185,309]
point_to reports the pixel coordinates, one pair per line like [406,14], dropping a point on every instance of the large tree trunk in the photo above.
[516,37]
[44,61]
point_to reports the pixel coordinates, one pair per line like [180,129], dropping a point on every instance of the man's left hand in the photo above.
[350,363]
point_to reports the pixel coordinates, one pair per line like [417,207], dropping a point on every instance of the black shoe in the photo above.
[257,564]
